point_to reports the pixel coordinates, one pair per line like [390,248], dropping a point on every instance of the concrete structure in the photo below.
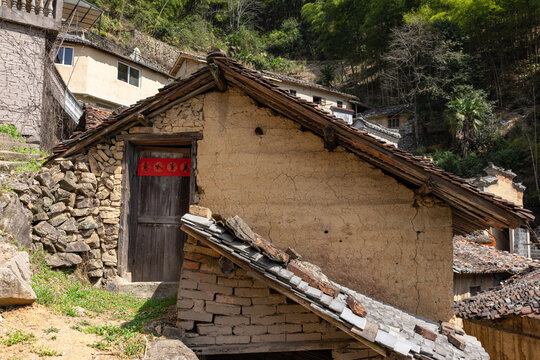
[378,131]
[103,74]
[500,182]
[342,105]
[27,31]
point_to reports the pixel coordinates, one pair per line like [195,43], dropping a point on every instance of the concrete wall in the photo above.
[307,93]
[505,189]
[22,52]
[94,76]
[383,120]
[363,228]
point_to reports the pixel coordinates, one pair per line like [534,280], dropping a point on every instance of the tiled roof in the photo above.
[518,296]
[360,123]
[473,258]
[360,316]
[92,116]
[389,110]
[413,170]
[282,77]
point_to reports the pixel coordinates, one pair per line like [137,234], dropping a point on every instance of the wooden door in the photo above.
[156,245]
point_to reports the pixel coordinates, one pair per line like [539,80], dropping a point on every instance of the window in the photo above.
[474,290]
[318,100]
[393,122]
[340,104]
[128,74]
[292,92]
[64,56]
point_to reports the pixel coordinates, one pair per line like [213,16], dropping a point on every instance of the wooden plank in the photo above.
[161,220]
[278,287]
[161,139]
[123,232]
[193,174]
[270,347]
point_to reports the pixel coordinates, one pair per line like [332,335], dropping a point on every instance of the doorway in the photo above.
[159,197]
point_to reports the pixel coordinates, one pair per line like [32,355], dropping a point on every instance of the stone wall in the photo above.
[75,208]
[21,77]
[221,309]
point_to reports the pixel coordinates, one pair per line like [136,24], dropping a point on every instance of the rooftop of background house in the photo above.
[472,208]
[473,255]
[92,116]
[388,110]
[362,317]
[360,122]
[87,38]
[518,296]
[491,178]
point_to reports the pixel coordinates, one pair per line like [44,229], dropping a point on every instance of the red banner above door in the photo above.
[164,167]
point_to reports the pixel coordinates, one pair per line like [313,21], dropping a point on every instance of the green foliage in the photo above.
[43,352]
[32,165]
[18,337]
[471,118]
[11,130]
[51,329]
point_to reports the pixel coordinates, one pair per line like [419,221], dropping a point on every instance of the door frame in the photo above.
[130,182]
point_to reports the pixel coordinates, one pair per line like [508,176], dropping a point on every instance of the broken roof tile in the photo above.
[382,323]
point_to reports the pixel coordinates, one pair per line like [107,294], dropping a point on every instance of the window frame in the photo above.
[339,104]
[320,101]
[129,67]
[64,55]
[292,92]
[391,120]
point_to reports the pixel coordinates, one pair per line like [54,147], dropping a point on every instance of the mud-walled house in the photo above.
[372,218]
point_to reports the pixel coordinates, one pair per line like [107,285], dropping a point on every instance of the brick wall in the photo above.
[21,77]
[219,309]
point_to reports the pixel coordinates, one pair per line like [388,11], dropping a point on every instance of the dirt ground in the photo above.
[72,344]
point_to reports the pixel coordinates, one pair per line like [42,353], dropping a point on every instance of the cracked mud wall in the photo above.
[363,228]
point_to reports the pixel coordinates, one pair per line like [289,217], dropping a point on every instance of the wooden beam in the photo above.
[280,288]
[330,141]
[220,81]
[373,152]
[271,347]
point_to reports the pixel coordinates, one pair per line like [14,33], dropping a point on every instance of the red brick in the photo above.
[222,309]
[227,281]
[304,337]
[186,325]
[234,300]
[268,320]
[356,306]
[196,294]
[270,300]
[191,265]
[303,273]
[198,276]
[184,303]
[454,340]
[268,338]
[328,289]
[284,328]
[249,292]
[313,327]
[214,330]
[288,309]
[271,251]
[199,340]
[430,335]
[249,330]
[231,320]
[301,318]
[203,250]
[259,310]
[188,284]
[193,315]
[214,288]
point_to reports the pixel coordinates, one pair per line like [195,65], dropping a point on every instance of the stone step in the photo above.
[8,143]
[147,290]
[12,155]
[6,166]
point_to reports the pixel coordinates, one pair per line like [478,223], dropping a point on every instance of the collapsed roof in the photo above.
[380,326]
[473,258]
[472,209]
[518,296]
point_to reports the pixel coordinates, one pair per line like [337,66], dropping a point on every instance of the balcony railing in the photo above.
[40,13]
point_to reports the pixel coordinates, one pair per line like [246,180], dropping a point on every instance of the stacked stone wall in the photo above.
[74,207]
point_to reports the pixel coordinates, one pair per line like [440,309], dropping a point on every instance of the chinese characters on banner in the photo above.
[164,167]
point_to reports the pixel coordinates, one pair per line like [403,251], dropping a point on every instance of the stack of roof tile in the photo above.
[473,258]
[355,313]
[519,296]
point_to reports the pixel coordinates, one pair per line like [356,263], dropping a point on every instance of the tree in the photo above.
[242,12]
[471,117]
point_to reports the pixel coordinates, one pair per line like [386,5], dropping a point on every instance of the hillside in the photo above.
[469,68]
